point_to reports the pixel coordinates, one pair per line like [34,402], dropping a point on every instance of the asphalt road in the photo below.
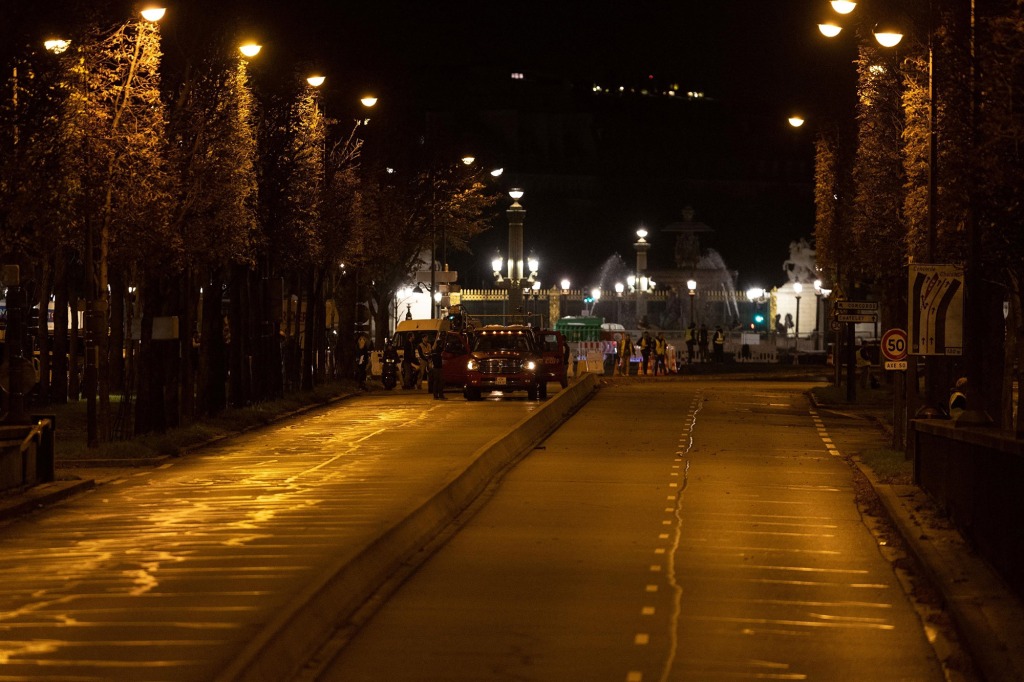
[669,531]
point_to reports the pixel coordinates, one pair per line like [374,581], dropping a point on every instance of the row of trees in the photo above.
[146,194]
[872,183]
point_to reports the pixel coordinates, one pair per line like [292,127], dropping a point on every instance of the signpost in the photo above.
[894,349]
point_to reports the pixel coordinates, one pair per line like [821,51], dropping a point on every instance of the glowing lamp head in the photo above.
[496,173]
[57,45]
[887,35]
[843,6]
[533,263]
[691,284]
[468,160]
[516,193]
[316,81]
[368,101]
[798,288]
[829,29]
[250,49]
[619,287]
[641,233]
[565,284]
[496,263]
[153,14]
[796,120]
[595,293]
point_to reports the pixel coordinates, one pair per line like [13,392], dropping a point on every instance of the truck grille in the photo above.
[499,366]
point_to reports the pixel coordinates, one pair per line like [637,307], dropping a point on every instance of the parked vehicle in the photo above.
[503,359]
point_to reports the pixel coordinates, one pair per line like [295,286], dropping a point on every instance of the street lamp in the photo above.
[691,284]
[250,50]
[641,246]
[515,275]
[817,314]
[797,289]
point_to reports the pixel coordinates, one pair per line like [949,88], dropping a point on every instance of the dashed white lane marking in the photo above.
[642,638]
[826,439]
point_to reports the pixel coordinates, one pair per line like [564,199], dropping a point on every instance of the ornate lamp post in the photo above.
[817,314]
[642,246]
[514,277]
[691,284]
[797,289]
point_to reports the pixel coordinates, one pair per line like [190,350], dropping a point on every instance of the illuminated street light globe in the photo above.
[250,49]
[468,159]
[691,284]
[798,288]
[619,287]
[796,120]
[316,81]
[829,29]
[565,284]
[641,233]
[516,193]
[368,100]
[843,6]
[496,263]
[153,13]
[56,45]
[533,263]
[887,35]
[754,294]
[595,293]
[496,173]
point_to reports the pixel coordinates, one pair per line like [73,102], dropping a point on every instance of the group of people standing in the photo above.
[697,341]
[655,348]
[421,361]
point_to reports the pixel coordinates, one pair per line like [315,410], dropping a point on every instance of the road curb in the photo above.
[987,616]
[41,495]
[283,645]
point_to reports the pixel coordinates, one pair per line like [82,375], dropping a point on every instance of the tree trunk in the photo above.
[308,342]
[59,381]
[213,349]
[42,334]
[118,295]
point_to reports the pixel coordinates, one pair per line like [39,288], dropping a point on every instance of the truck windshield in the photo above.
[489,342]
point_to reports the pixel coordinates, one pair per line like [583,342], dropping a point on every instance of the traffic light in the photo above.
[758,322]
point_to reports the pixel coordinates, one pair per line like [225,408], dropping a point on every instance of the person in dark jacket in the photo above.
[436,358]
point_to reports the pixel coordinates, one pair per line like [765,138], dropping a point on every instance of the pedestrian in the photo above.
[702,342]
[646,346]
[409,366]
[626,349]
[362,361]
[690,338]
[436,360]
[719,344]
[610,348]
[423,359]
[660,349]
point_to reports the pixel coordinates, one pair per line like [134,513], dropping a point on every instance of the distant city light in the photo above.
[517,76]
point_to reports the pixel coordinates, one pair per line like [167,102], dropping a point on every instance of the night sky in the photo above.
[754,61]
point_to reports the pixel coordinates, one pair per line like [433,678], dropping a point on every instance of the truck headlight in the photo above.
[472,365]
[530,365]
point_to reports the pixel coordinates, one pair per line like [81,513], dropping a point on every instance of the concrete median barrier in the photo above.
[283,646]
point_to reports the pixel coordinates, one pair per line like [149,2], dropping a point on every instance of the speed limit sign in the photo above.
[894,348]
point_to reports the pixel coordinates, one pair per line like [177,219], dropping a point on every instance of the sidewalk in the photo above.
[989,619]
[236,562]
